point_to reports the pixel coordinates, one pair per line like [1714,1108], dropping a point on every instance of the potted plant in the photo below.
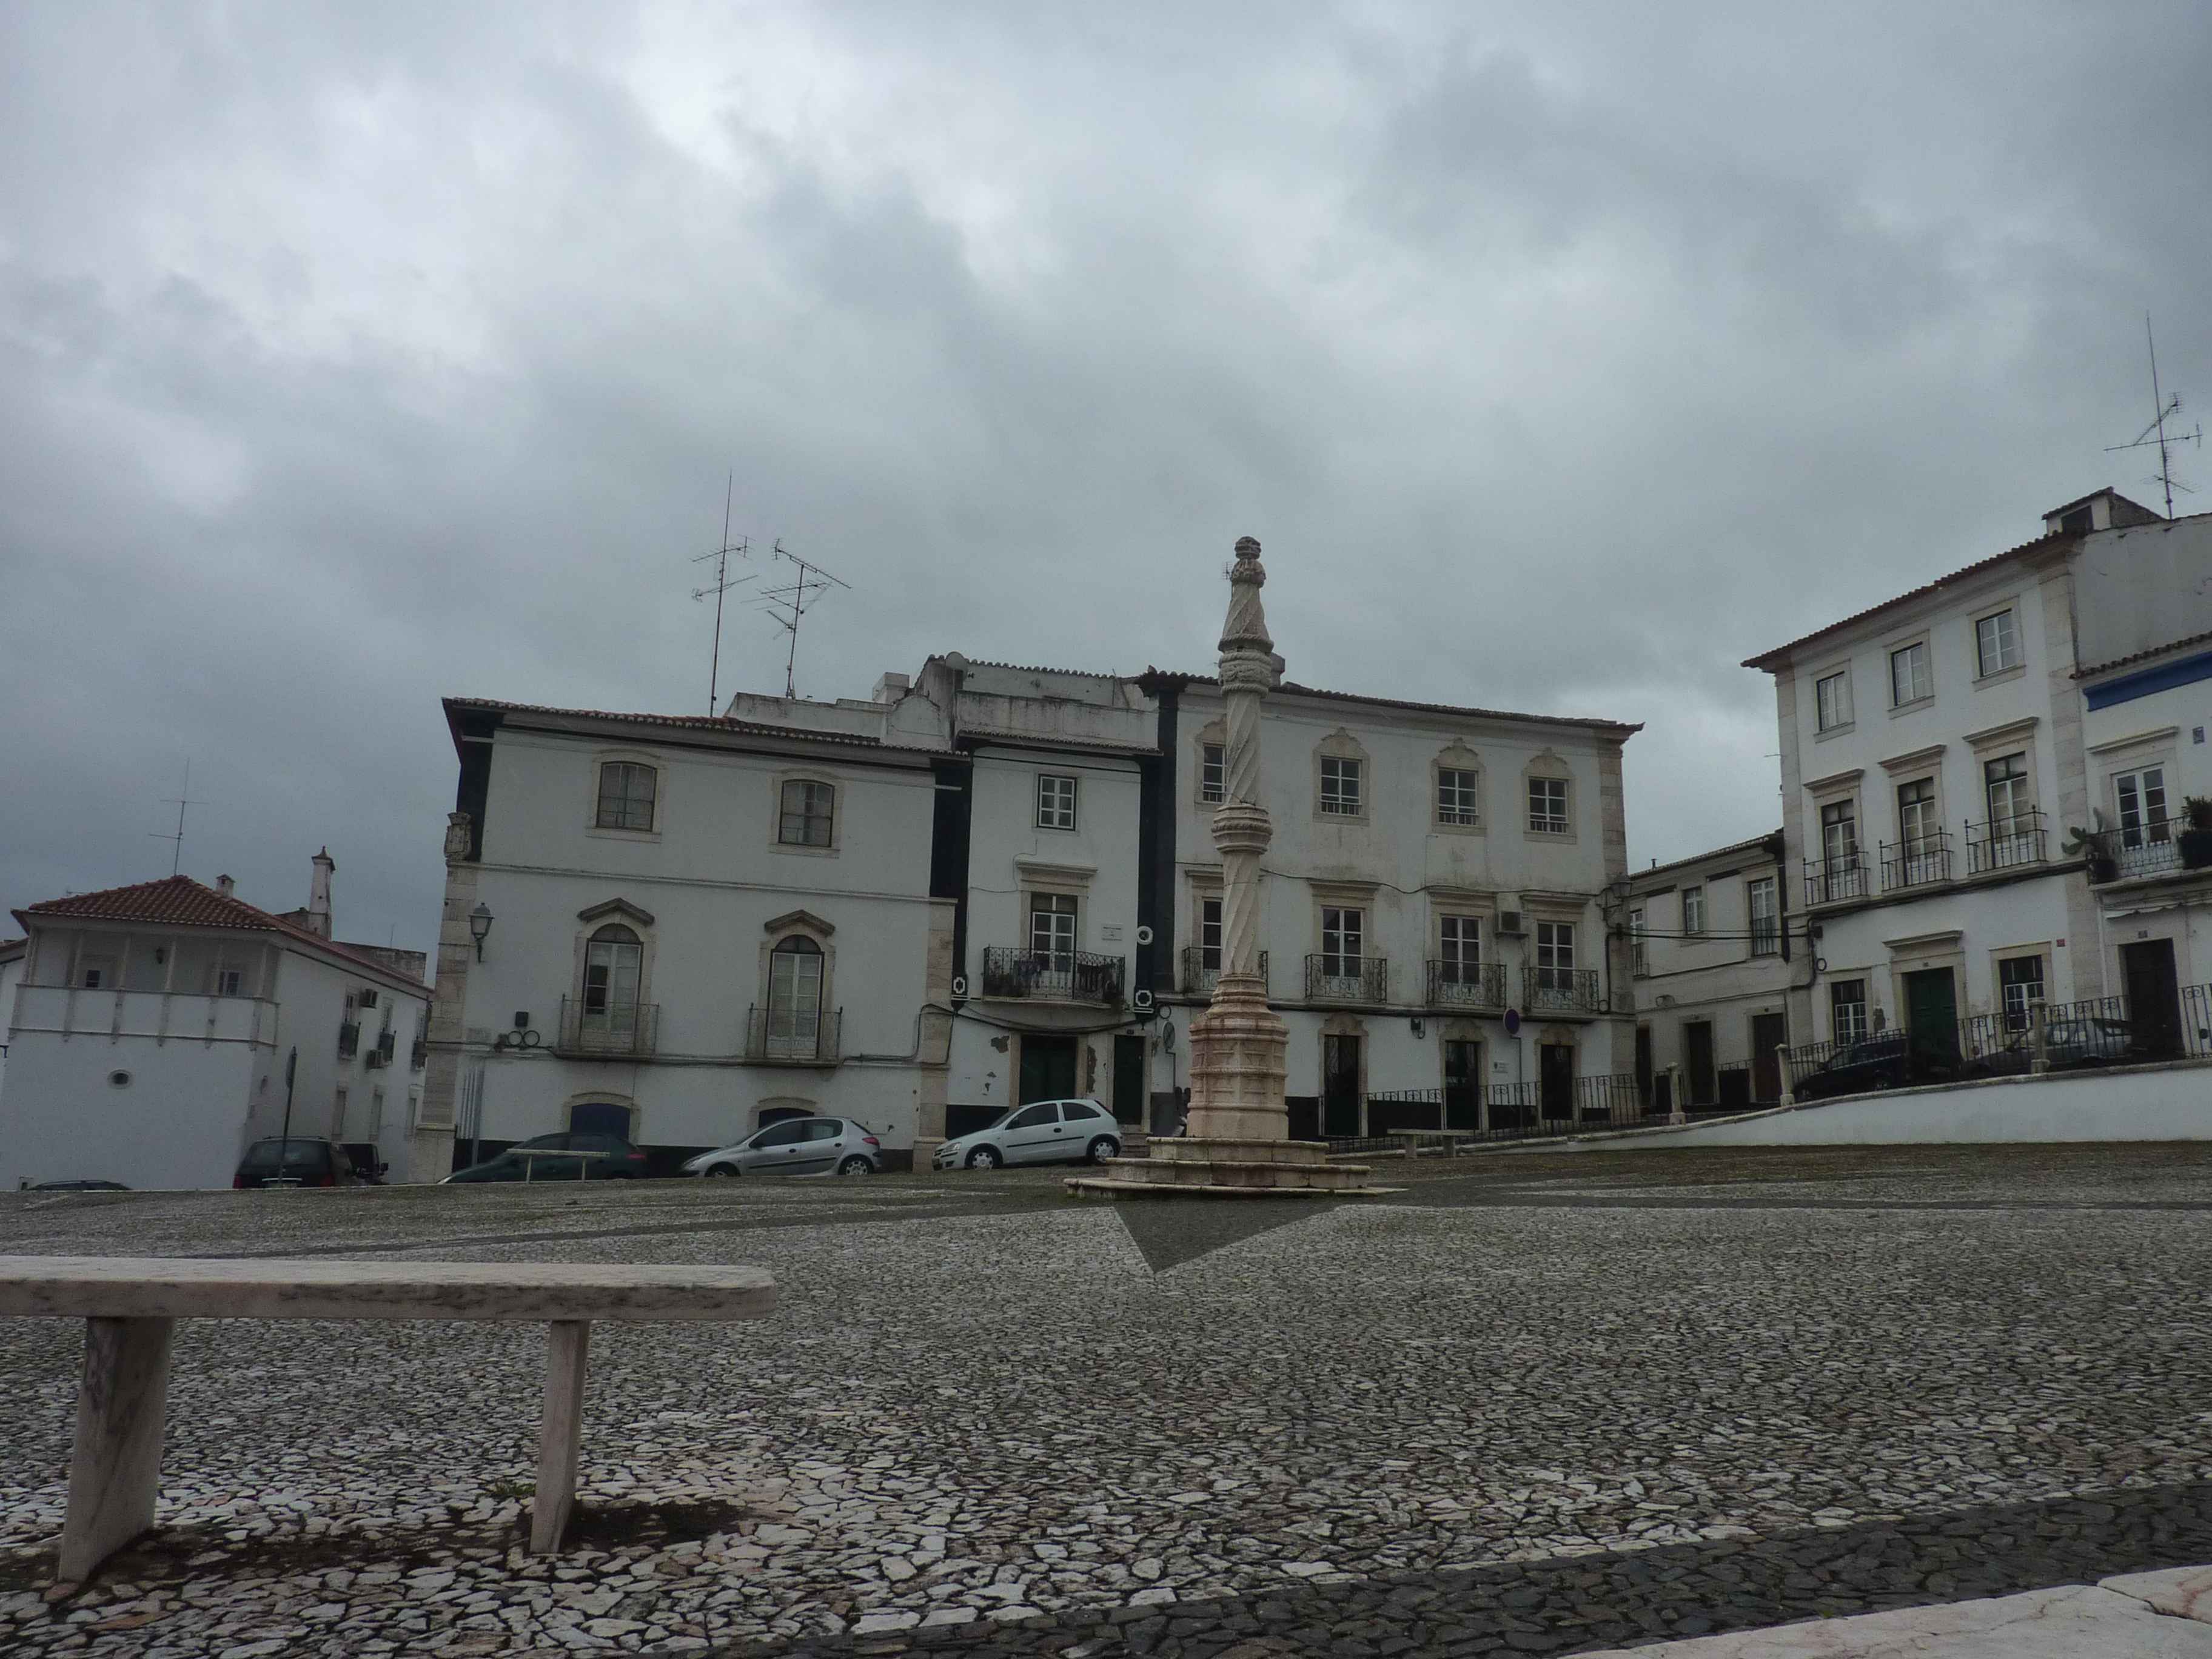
[2094,848]
[2197,835]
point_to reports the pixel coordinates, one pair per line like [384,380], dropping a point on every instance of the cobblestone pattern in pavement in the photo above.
[1002,1413]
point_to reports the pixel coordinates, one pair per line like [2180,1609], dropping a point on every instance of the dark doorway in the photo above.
[1768,1033]
[1643,1066]
[1462,1084]
[1339,1087]
[1048,1068]
[781,1114]
[1129,1079]
[1555,1079]
[2153,998]
[599,1117]
[1931,1024]
[1697,1061]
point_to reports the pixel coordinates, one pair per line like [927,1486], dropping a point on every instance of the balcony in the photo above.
[1559,990]
[1835,880]
[348,1039]
[2155,851]
[1466,985]
[2016,843]
[1053,975]
[1922,862]
[792,1039]
[420,1056]
[1347,979]
[1198,980]
[623,1031]
[161,1016]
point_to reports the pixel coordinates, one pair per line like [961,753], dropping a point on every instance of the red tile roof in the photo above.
[180,902]
[2095,667]
[685,722]
[1765,659]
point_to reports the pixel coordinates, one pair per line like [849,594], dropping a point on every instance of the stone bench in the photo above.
[131,1306]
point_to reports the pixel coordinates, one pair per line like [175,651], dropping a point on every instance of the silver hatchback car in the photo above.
[1043,1131]
[796,1146]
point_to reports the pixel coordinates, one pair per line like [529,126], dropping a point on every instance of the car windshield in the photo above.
[296,1155]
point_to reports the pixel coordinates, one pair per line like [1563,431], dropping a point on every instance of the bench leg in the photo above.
[116,1464]
[568,1346]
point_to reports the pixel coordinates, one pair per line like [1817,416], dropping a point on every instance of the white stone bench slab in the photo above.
[131,1305]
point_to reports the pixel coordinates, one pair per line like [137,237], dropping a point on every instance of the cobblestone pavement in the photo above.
[1534,1404]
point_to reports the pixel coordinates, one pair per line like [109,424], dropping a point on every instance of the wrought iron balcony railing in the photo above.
[1832,880]
[1559,990]
[348,1039]
[1199,979]
[421,1055]
[2011,842]
[1334,978]
[792,1038]
[619,1028]
[2151,850]
[1920,861]
[1053,975]
[1466,985]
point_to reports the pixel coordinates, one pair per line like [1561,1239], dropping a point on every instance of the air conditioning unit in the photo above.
[1510,925]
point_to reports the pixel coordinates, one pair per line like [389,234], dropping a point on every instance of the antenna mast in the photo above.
[722,585]
[184,799]
[2155,436]
[792,601]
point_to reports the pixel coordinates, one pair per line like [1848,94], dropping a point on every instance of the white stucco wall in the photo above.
[312,992]
[12,976]
[2143,586]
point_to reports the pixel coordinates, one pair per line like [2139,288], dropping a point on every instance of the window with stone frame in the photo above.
[1052,928]
[2140,797]
[1997,642]
[614,959]
[1458,795]
[794,996]
[2004,783]
[1693,911]
[1341,781]
[1459,950]
[1055,801]
[1911,677]
[2019,986]
[628,792]
[1555,956]
[1832,695]
[1759,896]
[1547,805]
[808,814]
[1847,1009]
[1209,933]
[1343,940]
[1212,773]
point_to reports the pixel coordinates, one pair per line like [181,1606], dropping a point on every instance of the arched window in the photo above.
[795,998]
[612,960]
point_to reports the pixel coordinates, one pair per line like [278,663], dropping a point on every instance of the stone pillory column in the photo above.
[1237,1142]
[1236,1046]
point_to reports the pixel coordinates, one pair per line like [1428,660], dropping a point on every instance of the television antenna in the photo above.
[792,601]
[2155,435]
[183,799]
[722,585]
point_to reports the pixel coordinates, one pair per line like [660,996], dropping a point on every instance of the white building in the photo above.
[1714,949]
[685,928]
[153,1026]
[2145,613]
[12,952]
[1932,763]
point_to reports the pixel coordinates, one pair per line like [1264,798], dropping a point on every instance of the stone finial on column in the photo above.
[459,826]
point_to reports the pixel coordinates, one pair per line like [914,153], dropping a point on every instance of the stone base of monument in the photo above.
[1184,1167]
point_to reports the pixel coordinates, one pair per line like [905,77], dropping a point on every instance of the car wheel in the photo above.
[721,1170]
[984,1158]
[1104,1148]
[856,1166]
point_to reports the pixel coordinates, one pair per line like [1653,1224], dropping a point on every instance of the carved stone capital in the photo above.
[1239,826]
[457,826]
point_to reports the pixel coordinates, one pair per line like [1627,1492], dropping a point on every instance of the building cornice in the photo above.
[1914,758]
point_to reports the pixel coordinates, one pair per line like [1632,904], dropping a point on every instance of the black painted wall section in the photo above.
[473,794]
[948,849]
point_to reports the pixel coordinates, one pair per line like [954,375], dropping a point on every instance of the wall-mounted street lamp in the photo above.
[479,926]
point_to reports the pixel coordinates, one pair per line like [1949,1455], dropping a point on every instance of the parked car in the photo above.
[604,1158]
[1880,1061]
[796,1146]
[2067,1044]
[1043,1131]
[295,1161]
[367,1161]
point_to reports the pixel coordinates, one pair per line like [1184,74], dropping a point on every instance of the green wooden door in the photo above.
[1931,1021]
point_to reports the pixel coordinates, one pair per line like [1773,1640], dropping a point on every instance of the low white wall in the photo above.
[2138,1103]
[179,1122]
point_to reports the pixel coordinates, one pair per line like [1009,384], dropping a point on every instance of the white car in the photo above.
[1042,1132]
[796,1146]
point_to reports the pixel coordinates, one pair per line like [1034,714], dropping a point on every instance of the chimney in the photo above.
[318,894]
[891,687]
[225,886]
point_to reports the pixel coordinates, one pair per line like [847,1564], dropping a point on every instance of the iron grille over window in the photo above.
[1765,922]
[627,792]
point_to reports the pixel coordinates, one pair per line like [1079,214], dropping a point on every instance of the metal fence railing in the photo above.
[1559,990]
[793,1036]
[1832,880]
[2014,841]
[1466,985]
[624,1027]
[1500,1111]
[1052,975]
[1920,861]
[1198,978]
[1331,978]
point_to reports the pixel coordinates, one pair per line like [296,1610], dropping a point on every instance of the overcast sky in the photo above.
[1560,355]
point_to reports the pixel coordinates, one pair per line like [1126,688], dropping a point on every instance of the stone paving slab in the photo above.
[2070,1622]
[2183,1592]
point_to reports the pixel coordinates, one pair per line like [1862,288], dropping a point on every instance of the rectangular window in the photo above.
[1555,956]
[229,982]
[1343,940]
[1209,935]
[1055,806]
[1916,815]
[375,1131]
[1694,911]
[338,1115]
[1462,949]
[2142,806]
[1832,693]
[2019,981]
[807,815]
[1847,1009]
[1213,772]
[1639,959]
[626,795]
[1052,925]
[1456,796]
[1910,677]
[1766,919]
[1547,805]
[1996,643]
[1840,836]
[2005,782]
[1339,786]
